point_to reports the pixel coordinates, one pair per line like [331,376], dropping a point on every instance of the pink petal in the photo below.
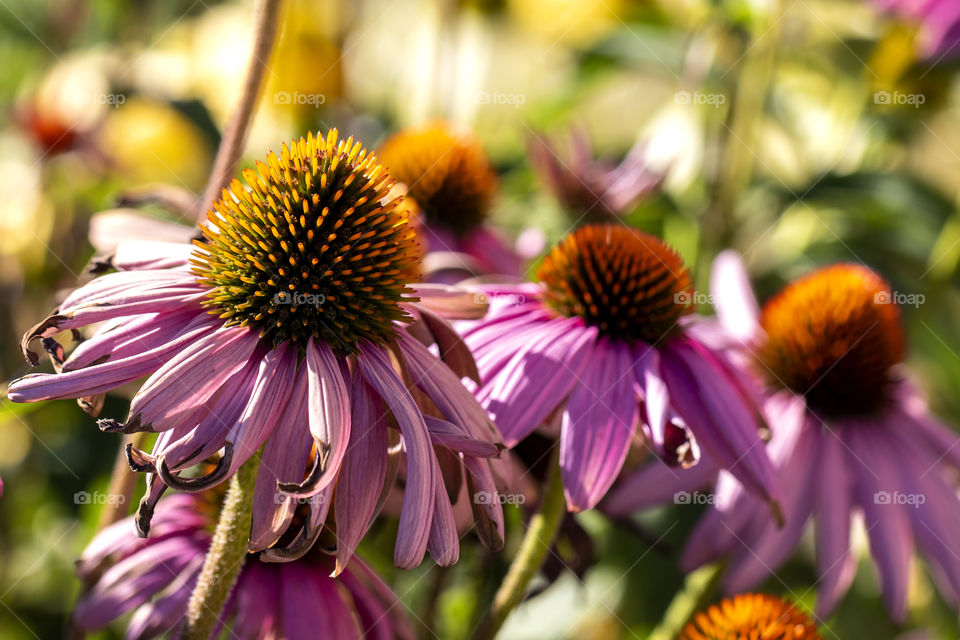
[363,471]
[416,514]
[736,306]
[598,424]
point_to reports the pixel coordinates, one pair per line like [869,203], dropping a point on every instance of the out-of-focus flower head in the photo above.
[850,434]
[447,173]
[755,616]
[154,578]
[602,343]
[593,189]
[291,325]
[939,24]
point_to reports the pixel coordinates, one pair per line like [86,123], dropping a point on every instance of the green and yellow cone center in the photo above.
[310,244]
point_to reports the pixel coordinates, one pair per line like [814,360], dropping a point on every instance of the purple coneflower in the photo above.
[601,343]
[593,188]
[939,23]
[154,579]
[850,435]
[448,175]
[287,326]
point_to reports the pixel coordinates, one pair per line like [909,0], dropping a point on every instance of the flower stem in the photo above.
[228,550]
[267,22]
[696,591]
[533,550]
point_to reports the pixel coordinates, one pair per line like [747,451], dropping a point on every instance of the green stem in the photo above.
[696,593]
[267,23]
[228,550]
[737,157]
[533,550]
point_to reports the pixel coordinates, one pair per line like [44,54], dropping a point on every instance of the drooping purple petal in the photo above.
[715,411]
[416,514]
[187,381]
[598,423]
[363,471]
[888,525]
[836,565]
[103,377]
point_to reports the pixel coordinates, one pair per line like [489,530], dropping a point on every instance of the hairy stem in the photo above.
[533,550]
[267,22]
[228,550]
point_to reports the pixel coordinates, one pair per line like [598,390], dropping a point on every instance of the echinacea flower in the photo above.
[154,579]
[601,343]
[751,616]
[287,327]
[592,188]
[850,434]
[448,175]
[939,23]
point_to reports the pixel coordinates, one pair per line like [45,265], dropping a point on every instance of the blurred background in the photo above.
[800,133]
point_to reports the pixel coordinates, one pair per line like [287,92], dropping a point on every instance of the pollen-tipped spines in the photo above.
[751,616]
[310,245]
[446,171]
[629,284]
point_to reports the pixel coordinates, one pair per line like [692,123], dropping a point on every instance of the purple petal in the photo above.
[538,378]
[102,377]
[416,514]
[888,525]
[363,471]
[285,459]
[836,566]
[655,484]
[736,306]
[598,424]
[184,383]
[714,409]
